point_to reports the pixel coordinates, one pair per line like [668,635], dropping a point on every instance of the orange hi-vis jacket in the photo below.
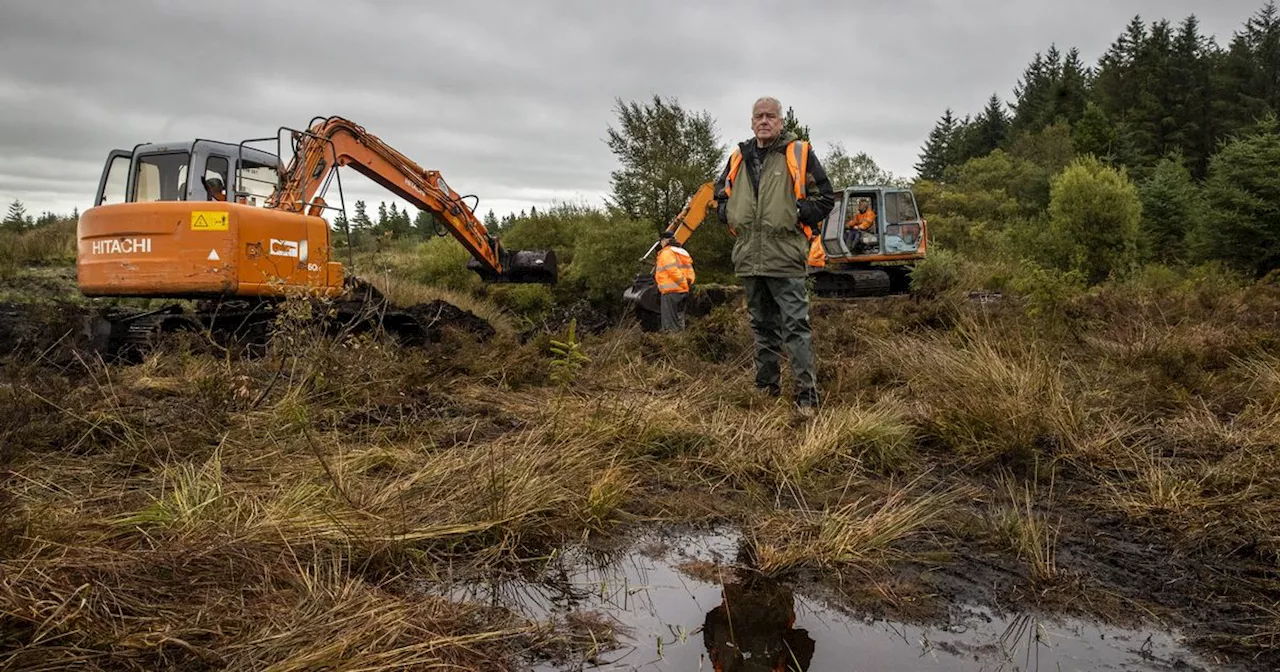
[674,272]
[797,165]
[863,221]
[817,255]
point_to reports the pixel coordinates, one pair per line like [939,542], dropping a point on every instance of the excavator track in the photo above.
[853,283]
[246,326]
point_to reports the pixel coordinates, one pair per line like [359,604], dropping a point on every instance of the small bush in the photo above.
[443,262]
[936,274]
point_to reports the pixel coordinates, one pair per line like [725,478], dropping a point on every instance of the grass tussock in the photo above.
[867,530]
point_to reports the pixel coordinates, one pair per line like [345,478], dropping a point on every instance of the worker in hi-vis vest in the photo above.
[674,277]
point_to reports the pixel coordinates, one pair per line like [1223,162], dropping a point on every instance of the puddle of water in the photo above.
[675,621]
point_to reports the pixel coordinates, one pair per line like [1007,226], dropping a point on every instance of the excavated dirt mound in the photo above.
[437,315]
[43,329]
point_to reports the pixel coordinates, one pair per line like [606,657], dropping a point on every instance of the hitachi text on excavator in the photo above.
[236,230]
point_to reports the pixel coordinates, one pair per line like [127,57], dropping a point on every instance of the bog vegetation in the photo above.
[1080,406]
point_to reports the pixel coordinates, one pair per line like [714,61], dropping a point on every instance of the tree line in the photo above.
[1164,152]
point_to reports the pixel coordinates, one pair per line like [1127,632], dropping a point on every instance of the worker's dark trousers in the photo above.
[673,311]
[779,309]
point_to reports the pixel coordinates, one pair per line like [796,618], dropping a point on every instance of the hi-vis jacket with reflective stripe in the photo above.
[674,272]
[777,209]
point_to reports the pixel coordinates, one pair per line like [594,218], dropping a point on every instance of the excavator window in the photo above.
[216,168]
[157,177]
[255,182]
[903,231]
[113,190]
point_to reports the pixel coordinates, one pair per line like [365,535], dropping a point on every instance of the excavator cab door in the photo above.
[115,178]
[903,225]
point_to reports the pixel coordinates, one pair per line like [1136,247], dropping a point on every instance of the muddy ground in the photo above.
[1111,460]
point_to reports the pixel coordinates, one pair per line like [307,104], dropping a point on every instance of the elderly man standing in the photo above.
[774,213]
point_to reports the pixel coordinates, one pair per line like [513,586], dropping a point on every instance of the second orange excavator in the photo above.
[233,228]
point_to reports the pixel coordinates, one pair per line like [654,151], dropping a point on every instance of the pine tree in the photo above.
[16,220]
[360,221]
[1072,89]
[990,129]
[792,124]
[381,224]
[1171,207]
[1191,75]
[937,152]
[491,221]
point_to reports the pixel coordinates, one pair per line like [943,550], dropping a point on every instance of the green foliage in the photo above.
[1095,133]
[605,259]
[1171,206]
[1243,196]
[555,229]
[442,262]
[936,274]
[846,171]
[666,154]
[1096,210]
[568,357]
[1047,294]
[528,302]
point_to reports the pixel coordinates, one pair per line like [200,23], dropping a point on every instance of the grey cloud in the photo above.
[511,100]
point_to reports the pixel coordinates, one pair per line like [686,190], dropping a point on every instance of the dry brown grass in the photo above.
[193,511]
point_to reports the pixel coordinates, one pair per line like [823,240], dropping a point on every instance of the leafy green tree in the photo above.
[1096,210]
[1242,193]
[792,124]
[845,171]
[1171,206]
[491,221]
[666,154]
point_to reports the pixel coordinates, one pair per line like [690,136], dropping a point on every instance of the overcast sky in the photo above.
[511,99]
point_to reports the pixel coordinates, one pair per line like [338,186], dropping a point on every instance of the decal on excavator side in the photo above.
[122,246]
[202,220]
[284,248]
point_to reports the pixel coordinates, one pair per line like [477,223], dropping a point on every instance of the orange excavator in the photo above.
[233,228]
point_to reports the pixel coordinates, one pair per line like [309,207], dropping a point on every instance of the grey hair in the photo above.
[768,99]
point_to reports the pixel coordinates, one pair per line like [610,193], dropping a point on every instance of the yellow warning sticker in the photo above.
[204,220]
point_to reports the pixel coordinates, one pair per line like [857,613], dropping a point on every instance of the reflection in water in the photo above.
[753,630]
[688,604]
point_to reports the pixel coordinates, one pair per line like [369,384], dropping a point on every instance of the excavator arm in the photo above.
[335,142]
[690,217]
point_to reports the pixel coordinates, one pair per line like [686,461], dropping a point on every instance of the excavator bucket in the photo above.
[521,266]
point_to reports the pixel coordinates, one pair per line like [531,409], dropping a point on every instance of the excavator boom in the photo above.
[335,142]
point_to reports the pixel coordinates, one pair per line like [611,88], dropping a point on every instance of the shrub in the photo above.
[1096,210]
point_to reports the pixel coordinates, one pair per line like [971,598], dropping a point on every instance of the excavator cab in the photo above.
[188,220]
[897,227]
[870,251]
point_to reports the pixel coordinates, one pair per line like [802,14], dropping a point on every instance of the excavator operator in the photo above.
[863,220]
[215,187]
